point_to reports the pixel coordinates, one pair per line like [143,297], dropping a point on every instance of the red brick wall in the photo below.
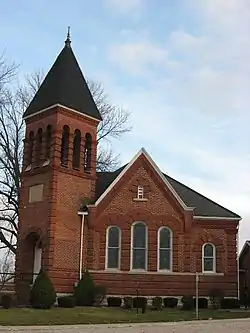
[161,208]
[55,219]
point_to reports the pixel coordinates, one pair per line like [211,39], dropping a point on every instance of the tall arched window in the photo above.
[208,258]
[39,142]
[87,152]
[48,142]
[30,148]
[76,149]
[164,249]
[113,247]
[139,240]
[65,146]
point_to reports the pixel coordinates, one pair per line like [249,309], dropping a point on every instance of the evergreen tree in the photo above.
[43,294]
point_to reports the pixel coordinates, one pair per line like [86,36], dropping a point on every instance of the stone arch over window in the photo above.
[211,236]
[164,249]
[113,247]
[65,146]
[208,258]
[139,246]
[48,142]
[76,149]
[87,152]
[39,142]
[30,153]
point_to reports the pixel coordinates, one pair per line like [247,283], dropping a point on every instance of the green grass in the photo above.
[80,315]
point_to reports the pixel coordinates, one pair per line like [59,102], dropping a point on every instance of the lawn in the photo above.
[78,315]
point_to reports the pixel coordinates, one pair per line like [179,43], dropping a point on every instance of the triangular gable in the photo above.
[157,170]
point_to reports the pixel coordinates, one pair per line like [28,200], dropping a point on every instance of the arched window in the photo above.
[113,247]
[48,142]
[39,142]
[76,149]
[65,146]
[164,249]
[30,148]
[87,153]
[208,258]
[139,246]
[140,192]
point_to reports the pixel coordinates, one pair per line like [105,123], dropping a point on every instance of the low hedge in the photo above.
[230,303]
[128,303]
[157,303]
[187,302]
[170,302]
[202,302]
[140,302]
[6,301]
[114,302]
[66,302]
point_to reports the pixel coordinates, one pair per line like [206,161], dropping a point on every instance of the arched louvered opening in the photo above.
[87,153]
[39,142]
[65,146]
[30,148]
[48,142]
[76,149]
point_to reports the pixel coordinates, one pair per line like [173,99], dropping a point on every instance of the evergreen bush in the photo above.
[128,303]
[170,302]
[157,303]
[114,301]
[85,291]
[66,302]
[43,295]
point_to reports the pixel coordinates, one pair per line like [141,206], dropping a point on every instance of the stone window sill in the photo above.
[140,199]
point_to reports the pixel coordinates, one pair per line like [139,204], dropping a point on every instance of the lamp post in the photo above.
[197,295]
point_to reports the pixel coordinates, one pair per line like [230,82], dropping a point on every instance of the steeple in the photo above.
[68,41]
[65,85]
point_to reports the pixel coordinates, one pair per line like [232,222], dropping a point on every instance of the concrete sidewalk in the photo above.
[207,326]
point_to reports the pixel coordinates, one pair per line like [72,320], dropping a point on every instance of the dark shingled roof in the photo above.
[65,85]
[203,206]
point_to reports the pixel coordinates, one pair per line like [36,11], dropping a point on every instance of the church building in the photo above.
[135,228]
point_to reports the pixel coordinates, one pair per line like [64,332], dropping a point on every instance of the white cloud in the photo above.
[125,6]
[196,94]
[137,58]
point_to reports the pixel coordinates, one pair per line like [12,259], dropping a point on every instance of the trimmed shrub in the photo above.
[170,302]
[43,295]
[114,302]
[85,291]
[66,302]
[140,302]
[215,296]
[7,301]
[187,303]
[202,303]
[128,303]
[230,303]
[100,293]
[157,303]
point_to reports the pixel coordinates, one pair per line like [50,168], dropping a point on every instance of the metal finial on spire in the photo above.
[68,41]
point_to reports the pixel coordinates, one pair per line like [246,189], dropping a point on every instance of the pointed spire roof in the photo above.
[64,85]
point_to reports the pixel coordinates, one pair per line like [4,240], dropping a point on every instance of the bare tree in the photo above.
[7,270]
[12,106]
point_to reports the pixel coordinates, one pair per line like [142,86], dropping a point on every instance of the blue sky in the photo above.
[181,67]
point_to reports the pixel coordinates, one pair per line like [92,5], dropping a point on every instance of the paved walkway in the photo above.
[216,326]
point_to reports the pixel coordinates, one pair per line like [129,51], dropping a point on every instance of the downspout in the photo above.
[81,242]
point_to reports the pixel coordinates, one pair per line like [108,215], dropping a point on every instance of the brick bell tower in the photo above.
[59,170]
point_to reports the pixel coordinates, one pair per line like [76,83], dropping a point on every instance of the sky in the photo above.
[182,68]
